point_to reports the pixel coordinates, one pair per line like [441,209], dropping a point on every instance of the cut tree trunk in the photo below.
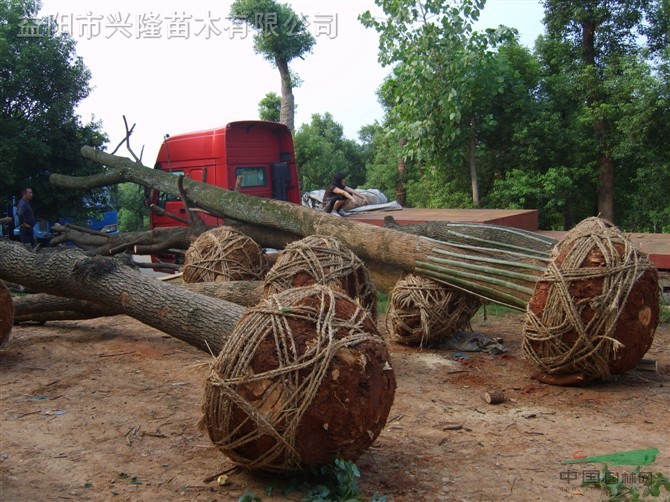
[196,319]
[43,307]
[478,234]
[156,241]
[6,314]
[474,271]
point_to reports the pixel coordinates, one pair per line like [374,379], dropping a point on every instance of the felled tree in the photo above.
[285,382]
[499,273]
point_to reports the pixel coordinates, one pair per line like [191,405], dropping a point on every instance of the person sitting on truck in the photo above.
[26,217]
[337,194]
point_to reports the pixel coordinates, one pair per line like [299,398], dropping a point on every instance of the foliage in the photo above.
[533,126]
[381,151]
[616,489]
[321,150]
[281,36]
[133,213]
[42,82]
[328,483]
[439,103]
[594,49]
[269,108]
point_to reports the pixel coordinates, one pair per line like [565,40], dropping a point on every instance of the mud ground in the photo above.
[108,409]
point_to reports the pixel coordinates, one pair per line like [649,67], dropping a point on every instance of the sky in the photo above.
[172,66]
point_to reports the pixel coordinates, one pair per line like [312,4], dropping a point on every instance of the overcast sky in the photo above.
[174,67]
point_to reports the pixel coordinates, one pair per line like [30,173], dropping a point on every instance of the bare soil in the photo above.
[108,409]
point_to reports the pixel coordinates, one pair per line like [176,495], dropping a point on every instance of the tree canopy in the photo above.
[281,36]
[444,81]
[321,150]
[562,128]
[42,82]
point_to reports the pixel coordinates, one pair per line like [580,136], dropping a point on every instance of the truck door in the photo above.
[281,177]
[172,204]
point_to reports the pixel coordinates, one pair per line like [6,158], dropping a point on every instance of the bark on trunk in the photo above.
[156,241]
[594,99]
[44,307]
[6,314]
[286,113]
[478,234]
[198,320]
[400,191]
[473,165]
[453,265]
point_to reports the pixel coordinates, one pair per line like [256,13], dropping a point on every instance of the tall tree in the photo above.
[281,36]
[444,78]
[42,81]
[322,150]
[597,34]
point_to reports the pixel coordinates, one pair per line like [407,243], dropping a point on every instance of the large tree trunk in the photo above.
[474,181]
[400,190]
[452,264]
[196,319]
[156,241]
[287,111]
[44,307]
[601,126]
[6,314]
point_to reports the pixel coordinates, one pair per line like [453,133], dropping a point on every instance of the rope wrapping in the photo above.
[324,260]
[304,378]
[424,312]
[596,307]
[223,254]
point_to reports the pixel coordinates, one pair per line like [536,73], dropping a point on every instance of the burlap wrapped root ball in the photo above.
[303,379]
[594,312]
[319,259]
[6,314]
[223,254]
[424,312]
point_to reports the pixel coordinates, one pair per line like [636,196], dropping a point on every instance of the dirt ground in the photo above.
[108,409]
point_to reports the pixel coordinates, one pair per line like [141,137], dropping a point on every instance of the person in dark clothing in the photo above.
[26,217]
[337,194]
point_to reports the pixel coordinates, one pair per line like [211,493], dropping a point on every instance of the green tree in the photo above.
[269,108]
[42,81]
[536,149]
[321,150]
[133,213]
[596,36]
[641,149]
[445,78]
[281,36]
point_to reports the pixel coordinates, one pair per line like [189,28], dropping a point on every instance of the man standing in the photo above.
[26,217]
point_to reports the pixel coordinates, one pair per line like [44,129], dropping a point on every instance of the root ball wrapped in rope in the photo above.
[424,312]
[320,259]
[223,254]
[304,378]
[595,310]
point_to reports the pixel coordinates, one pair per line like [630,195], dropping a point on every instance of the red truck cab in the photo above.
[259,152]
